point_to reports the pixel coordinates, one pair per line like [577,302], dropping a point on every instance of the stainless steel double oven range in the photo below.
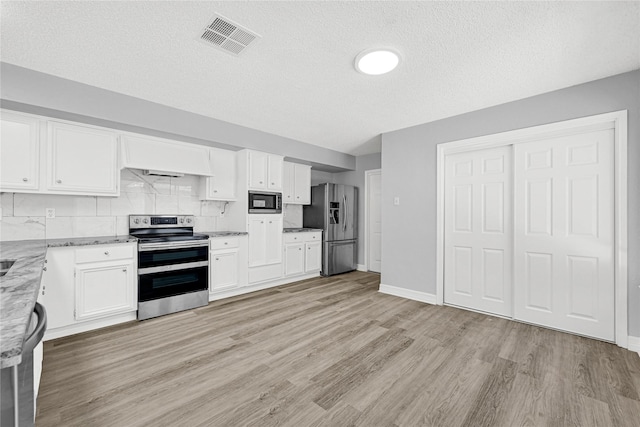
[173,264]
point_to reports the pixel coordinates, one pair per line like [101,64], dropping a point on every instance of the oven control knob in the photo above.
[146,221]
[188,220]
[181,220]
[137,220]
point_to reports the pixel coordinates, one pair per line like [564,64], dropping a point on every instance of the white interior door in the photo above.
[478,230]
[374,213]
[564,233]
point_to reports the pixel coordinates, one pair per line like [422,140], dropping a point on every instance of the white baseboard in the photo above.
[89,325]
[633,344]
[260,286]
[408,293]
[361,267]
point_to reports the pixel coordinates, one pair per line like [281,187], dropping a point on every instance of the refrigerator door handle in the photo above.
[344,212]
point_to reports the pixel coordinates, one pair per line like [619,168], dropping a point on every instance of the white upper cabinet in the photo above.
[297,184]
[145,152]
[19,152]
[82,160]
[265,171]
[274,181]
[222,185]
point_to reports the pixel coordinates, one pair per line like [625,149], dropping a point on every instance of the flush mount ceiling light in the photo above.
[377,61]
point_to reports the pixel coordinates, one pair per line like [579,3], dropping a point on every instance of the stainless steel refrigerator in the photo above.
[334,209]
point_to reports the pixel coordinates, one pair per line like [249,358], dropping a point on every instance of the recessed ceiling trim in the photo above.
[226,35]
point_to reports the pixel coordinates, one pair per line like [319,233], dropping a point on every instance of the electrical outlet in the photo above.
[51,213]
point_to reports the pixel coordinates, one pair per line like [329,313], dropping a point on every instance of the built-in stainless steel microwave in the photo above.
[261,202]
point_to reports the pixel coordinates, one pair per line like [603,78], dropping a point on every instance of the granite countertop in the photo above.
[20,286]
[224,233]
[301,230]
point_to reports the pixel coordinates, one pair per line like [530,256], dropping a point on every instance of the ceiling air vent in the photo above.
[226,35]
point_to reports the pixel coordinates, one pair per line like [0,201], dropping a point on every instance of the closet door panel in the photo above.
[564,233]
[478,230]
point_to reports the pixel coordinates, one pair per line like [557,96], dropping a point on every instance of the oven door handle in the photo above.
[173,245]
[172,267]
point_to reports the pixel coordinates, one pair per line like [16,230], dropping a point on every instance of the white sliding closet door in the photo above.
[564,233]
[478,230]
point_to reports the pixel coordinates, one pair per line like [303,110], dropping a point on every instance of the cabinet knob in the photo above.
[299,249]
[261,222]
[297,197]
[309,249]
[217,259]
[226,243]
[25,179]
[215,191]
[270,222]
[124,270]
[273,183]
[260,182]
[59,181]
[44,268]
[106,252]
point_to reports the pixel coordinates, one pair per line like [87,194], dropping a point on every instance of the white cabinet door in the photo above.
[265,240]
[224,181]
[302,184]
[258,166]
[273,244]
[104,289]
[288,183]
[257,241]
[313,257]
[478,231]
[275,171]
[82,160]
[294,256]
[224,270]
[564,233]
[19,152]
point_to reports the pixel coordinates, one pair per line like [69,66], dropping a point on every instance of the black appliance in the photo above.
[265,203]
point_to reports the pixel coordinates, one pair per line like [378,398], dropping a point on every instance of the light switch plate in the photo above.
[51,213]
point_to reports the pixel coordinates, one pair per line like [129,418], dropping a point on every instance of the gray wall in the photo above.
[30,91]
[356,178]
[409,165]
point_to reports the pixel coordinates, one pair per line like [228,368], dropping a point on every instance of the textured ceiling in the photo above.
[299,81]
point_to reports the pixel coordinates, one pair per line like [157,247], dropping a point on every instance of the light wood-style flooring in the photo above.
[335,352]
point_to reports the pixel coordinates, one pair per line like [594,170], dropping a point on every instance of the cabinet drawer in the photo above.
[224,243]
[104,253]
[302,237]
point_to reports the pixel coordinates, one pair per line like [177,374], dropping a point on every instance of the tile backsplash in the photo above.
[24,215]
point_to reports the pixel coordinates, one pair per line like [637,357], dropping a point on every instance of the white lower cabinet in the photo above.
[227,263]
[294,255]
[104,288]
[302,253]
[313,257]
[88,287]
[224,270]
